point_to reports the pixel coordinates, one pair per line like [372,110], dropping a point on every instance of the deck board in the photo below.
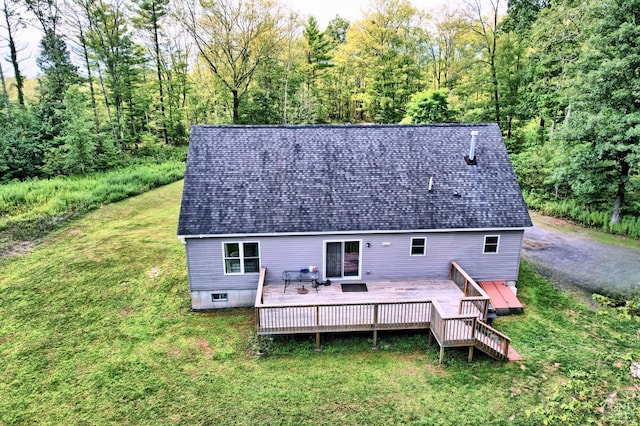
[445,292]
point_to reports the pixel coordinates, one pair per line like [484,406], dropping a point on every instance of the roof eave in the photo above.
[369,232]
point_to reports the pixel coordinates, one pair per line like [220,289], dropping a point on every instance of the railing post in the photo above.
[257,313]
[473,328]
[375,326]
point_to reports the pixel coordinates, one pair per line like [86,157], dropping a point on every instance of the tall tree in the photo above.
[554,46]
[510,69]
[178,86]
[111,41]
[11,21]
[604,126]
[58,72]
[318,50]
[4,96]
[80,23]
[234,37]
[450,49]
[381,57]
[487,28]
[150,15]
[337,85]
[337,30]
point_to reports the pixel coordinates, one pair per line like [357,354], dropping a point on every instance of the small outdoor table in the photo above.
[300,276]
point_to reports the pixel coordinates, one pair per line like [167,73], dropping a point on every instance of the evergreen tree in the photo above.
[58,74]
[150,15]
[318,50]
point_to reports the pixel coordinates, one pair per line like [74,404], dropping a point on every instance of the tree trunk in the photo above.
[14,57]
[107,106]
[236,106]
[496,98]
[620,193]
[5,94]
[87,64]
[165,136]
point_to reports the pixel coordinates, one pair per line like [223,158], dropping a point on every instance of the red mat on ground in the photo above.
[501,295]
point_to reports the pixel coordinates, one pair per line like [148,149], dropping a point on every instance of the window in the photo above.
[241,258]
[491,243]
[342,259]
[219,297]
[418,246]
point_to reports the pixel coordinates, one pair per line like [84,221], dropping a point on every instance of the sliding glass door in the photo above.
[342,259]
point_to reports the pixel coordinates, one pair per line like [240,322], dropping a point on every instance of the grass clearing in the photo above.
[96,328]
[603,237]
[31,209]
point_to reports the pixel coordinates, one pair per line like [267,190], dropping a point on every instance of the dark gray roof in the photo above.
[338,178]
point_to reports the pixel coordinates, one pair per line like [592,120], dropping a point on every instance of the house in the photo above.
[358,202]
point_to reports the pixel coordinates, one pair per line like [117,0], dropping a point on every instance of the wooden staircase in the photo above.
[491,341]
[468,331]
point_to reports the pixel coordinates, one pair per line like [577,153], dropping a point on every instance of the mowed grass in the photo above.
[96,328]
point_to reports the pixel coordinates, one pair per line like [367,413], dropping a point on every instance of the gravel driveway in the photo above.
[571,258]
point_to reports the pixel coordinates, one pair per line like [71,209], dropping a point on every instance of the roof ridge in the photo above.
[340,125]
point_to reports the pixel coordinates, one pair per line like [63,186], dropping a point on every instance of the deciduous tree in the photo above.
[234,37]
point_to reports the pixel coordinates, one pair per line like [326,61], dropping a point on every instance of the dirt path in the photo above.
[573,259]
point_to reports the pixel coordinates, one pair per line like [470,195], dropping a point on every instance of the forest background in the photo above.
[121,81]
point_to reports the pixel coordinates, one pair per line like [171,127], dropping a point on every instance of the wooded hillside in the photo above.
[561,78]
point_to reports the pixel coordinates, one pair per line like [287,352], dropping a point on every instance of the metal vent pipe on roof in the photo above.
[472,148]
[471,158]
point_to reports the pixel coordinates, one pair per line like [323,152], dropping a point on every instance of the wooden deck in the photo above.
[445,292]
[454,311]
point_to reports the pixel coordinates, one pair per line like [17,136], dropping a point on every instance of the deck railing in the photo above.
[475,300]
[452,330]
[287,319]
[465,329]
[262,281]
[491,340]
[468,330]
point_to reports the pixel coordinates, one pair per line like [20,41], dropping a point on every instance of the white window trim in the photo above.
[241,258]
[411,246]
[484,245]
[220,298]
[324,259]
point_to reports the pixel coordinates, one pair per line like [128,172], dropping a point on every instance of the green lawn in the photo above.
[96,328]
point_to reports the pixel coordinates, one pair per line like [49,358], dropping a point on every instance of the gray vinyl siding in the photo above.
[206,266]
[387,258]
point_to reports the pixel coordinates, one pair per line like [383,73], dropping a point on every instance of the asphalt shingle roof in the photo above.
[339,178]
